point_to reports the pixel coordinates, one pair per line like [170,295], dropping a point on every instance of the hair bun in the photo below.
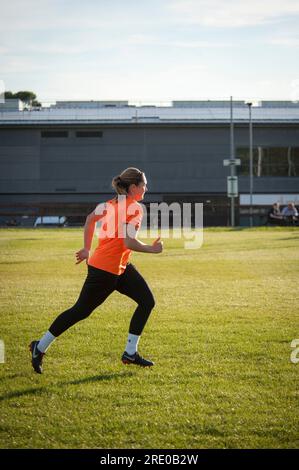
[121,183]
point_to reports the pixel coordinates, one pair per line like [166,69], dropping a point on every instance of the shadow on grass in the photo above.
[28,239]
[98,378]
[16,262]
[205,430]
[290,238]
[47,388]
[20,393]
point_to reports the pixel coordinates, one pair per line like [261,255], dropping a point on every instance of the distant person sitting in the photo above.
[290,214]
[274,215]
[11,223]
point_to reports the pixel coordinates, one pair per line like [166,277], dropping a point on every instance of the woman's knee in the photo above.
[80,312]
[83,313]
[149,302]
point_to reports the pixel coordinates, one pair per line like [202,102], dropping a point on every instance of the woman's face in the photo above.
[138,191]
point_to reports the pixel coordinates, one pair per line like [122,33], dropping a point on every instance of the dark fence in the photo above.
[214,214]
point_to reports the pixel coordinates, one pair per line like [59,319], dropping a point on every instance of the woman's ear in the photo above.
[132,187]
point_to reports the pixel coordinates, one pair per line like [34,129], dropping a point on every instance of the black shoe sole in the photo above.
[126,362]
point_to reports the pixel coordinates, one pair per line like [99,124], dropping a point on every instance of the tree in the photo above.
[8,95]
[28,97]
[36,103]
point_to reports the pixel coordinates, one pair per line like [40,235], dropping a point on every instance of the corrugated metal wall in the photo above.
[176,159]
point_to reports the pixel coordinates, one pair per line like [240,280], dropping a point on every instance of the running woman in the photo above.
[109,268]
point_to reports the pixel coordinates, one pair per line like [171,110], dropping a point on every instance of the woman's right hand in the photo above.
[81,255]
[157,246]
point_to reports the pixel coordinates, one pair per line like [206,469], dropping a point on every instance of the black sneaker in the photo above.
[37,357]
[136,359]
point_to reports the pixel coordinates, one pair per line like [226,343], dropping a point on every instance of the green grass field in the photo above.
[220,336]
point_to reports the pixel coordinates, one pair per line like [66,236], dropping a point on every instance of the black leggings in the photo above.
[98,286]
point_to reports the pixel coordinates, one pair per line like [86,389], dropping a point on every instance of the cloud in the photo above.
[66,15]
[147,50]
[199,44]
[286,40]
[233,13]
[147,40]
[22,65]
[67,48]
[54,15]
[174,83]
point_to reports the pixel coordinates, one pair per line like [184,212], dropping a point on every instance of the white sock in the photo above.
[132,344]
[45,342]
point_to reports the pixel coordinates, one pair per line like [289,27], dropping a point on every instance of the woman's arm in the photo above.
[89,231]
[89,227]
[133,244]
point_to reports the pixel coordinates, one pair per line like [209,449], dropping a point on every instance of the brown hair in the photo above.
[122,182]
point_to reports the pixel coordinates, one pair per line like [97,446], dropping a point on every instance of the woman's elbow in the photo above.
[90,220]
[128,243]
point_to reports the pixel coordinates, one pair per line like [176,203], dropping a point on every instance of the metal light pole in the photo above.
[250,163]
[232,162]
[232,156]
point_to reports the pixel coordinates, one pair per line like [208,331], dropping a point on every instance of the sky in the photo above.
[150,51]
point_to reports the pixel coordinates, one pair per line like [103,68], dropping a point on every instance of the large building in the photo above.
[61,159]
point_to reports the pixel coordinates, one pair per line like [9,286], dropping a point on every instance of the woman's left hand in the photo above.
[81,255]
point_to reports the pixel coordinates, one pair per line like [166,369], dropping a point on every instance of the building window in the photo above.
[270,161]
[54,134]
[89,134]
